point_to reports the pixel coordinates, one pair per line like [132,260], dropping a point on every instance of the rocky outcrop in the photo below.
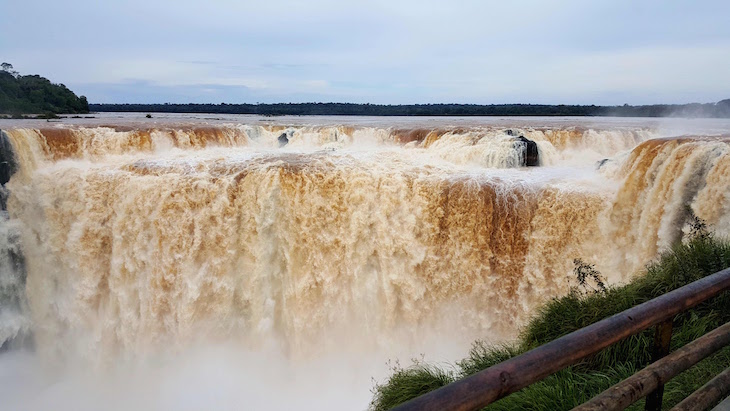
[530,155]
[8,165]
[3,201]
[602,163]
[283,140]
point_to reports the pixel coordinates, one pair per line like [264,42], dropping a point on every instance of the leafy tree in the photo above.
[36,94]
[7,67]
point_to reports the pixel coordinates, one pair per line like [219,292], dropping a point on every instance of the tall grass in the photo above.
[700,256]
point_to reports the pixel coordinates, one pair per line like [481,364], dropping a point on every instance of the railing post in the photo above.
[662,338]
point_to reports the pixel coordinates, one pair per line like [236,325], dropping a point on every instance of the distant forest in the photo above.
[719,109]
[36,95]
[33,94]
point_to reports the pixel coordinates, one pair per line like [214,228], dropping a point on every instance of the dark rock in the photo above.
[283,140]
[602,163]
[530,156]
[509,132]
[8,164]
[3,202]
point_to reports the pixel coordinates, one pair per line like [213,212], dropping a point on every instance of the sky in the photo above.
[382,52]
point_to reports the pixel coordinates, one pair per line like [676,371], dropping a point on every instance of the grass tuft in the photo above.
[407,383]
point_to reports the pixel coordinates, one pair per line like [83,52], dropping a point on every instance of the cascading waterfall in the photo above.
[664,180]
[15,323]
[14,315]
[346,239]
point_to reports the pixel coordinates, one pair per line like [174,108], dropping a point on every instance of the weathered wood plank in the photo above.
[662,339]
[647,380]
[707,395]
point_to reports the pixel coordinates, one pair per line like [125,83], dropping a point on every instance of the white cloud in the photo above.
[565,51]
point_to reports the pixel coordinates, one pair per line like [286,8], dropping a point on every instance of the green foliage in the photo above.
[563,390]
[407,383]
[697,227]
[585,272]
[7,67]
[571,387]
[720,109]
[482,355]
[686,383]
[35,94]
[700,255]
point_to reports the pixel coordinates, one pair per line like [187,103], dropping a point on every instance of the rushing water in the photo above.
[228,263]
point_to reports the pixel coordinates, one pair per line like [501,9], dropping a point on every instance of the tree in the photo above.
[7,67]
[36,94]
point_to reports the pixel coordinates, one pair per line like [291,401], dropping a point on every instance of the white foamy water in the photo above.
[197,263]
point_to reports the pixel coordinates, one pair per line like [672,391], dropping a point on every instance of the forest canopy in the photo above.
[719,109]
[35,94]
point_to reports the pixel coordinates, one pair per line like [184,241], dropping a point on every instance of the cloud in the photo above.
[567,51]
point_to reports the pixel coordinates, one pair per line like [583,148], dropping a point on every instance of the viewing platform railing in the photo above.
[489,385]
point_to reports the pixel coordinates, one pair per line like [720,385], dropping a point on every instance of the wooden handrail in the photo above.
[710,393]
[652,377]
[480,389]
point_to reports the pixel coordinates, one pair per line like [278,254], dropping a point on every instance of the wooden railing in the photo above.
[489,385]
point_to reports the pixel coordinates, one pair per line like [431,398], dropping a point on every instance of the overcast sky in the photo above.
[420,51]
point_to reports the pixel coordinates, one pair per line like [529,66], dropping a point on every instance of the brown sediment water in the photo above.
[348,239]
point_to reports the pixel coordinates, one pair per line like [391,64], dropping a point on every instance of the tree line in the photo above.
[35,94]
[719,109]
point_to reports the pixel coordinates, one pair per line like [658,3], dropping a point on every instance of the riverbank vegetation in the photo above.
[700,255]
[719,109]
[33,94]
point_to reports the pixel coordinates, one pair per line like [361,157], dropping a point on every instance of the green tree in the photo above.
[36,94]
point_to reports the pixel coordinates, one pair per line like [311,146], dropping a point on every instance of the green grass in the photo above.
[701,256]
